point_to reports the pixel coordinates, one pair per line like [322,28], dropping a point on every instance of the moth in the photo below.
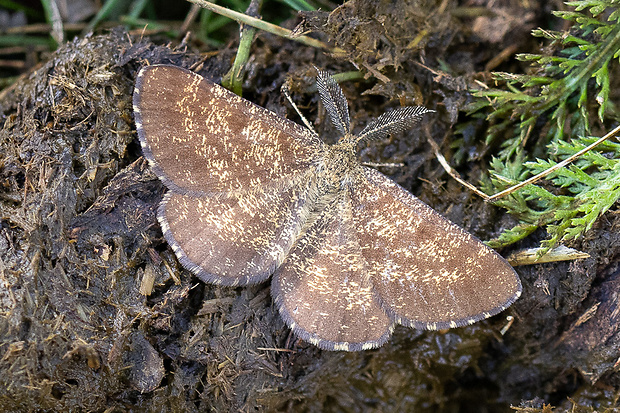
[351,253]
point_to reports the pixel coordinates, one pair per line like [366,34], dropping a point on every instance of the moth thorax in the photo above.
[342,160]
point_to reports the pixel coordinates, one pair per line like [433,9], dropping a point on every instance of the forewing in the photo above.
[428,272]
[201,138]
[323,290]
[235,240]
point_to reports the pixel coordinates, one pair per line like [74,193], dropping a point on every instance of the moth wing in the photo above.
[201,138]
[239,239]
[428,272]
[322,289]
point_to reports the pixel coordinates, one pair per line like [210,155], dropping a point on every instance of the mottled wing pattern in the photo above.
[323,290]
[353,252]
[427,272]
[236,240]
[201,138]
[240,178]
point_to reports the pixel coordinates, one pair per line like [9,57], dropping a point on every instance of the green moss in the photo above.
[556,107]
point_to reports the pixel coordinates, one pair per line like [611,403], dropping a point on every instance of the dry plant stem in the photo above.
[452,172]
[531,256]
[285,92]
[528,181]
[191,15]
[383,165]
[553,168]
[263,25]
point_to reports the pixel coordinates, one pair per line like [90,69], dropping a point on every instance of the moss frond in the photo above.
[549,114]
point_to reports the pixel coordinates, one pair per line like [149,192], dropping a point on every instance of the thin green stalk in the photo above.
[265,26]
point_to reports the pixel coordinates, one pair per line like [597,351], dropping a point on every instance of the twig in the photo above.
[532,255]
[553,168]
[533,179]
[452,172]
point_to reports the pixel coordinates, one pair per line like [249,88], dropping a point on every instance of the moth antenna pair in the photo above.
[336,105]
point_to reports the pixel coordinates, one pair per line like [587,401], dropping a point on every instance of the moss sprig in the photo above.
[545,116]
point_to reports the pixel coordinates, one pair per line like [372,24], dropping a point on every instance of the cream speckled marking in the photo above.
[353,253]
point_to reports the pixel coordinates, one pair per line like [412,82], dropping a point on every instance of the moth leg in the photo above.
[285,91]
[384,165]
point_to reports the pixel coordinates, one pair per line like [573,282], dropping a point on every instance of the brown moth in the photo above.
[352,253]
